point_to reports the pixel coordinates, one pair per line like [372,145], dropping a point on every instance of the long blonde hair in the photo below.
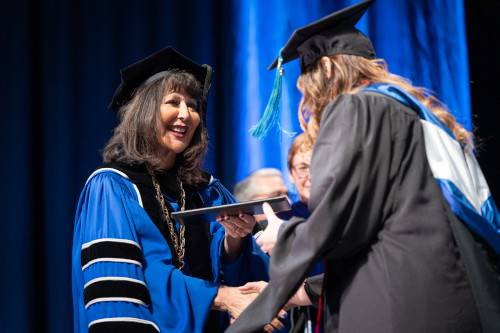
[349,75]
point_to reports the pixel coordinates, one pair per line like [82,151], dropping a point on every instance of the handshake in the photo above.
[234,301]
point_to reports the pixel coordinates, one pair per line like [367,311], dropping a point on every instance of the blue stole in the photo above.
[455,169]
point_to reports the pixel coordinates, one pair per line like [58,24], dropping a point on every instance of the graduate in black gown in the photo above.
[400,211]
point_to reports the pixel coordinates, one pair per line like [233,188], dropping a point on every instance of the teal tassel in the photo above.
[271,115]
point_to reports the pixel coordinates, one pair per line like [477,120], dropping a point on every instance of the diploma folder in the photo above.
[254,207]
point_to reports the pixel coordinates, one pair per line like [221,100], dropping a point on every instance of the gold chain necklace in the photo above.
[179,242]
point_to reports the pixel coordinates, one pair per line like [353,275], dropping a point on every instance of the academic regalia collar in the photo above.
[167,178]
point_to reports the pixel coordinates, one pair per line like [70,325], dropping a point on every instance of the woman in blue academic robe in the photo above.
[135,269]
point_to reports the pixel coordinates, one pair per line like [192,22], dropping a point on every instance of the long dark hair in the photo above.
[135,139]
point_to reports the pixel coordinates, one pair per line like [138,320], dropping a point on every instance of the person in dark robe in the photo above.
[302,312]
[400,211]
[134,268]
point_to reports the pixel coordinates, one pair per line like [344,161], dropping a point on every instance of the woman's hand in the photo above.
[268,238]
[237,226]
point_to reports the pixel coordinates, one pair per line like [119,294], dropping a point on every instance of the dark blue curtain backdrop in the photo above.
[60,61]
[422,40]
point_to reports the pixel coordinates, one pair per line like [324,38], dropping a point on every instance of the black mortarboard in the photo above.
[133,76]
[332,34]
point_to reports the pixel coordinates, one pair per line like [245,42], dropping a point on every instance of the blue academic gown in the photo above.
[122,271]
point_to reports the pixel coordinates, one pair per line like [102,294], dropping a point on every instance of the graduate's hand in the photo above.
[268,238]
[300,298]
[237,226]
[253,287]
[257,287]
[275,324]
[231,300]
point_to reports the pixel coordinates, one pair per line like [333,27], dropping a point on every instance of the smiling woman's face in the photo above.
[179,118]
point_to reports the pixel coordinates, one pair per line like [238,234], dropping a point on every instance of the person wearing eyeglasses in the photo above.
[299,159]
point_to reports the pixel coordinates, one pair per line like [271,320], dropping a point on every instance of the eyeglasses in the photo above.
[301,170]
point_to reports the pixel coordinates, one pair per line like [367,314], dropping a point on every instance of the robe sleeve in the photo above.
[110,288]
[313,286]
[349,172]
[114,292]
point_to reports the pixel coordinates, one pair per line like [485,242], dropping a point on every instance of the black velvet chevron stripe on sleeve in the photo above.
[123,325]
[111,249]
[114,288]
